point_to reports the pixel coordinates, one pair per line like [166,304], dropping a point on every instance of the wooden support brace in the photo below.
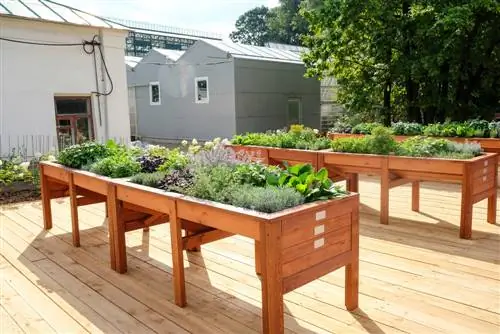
[116,231]
[493,200]
[194,240]
[82,201]
[415,196]
[384,192]
[467,202]
[352,269]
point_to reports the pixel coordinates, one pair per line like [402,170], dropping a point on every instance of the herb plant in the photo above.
[153,180]
[77,156]
[266,199]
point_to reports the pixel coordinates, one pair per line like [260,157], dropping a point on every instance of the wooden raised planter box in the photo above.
[292,247]
[478,177]
[490,145]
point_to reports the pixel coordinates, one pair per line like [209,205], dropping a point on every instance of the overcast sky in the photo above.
[216,16]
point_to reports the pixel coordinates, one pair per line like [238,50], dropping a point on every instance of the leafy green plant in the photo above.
[437,147]
[175,159]
[381,141]
[406,129]
[254,173]
[178,180]
[267,199]
[77,156]
[365,128]
[214,183]
[12,170]
[302,177]
[116,166]
[149,179]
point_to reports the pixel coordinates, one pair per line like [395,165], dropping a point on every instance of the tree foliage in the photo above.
[420,60]
[281,24]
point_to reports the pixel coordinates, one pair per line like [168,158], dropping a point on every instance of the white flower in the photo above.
[38,155]
[1,162]
[194,142]
[216,140]
[51,158]
[225,141]
[209,145]
[184,143]
[278,131]
[316,131]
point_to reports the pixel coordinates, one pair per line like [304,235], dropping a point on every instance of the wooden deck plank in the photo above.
[416,275]
[7,323]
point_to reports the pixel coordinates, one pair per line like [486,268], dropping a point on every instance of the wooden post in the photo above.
[116,230]
[177,256]
[45,193]
[272,279]
[353,183]
[384,192]
[352,269]
[75,229]
[258,266]
[415,196]
[466,207]
[492,200]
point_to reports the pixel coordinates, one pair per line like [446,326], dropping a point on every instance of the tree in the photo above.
[418,60]
[252,27]
[282,24]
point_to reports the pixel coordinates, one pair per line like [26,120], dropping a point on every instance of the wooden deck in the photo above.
[416,276]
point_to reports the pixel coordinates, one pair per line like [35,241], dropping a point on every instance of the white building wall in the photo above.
[30,77]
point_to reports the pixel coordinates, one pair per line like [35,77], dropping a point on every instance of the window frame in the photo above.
[294,99]
[73,118]
[151,102]
[196,80]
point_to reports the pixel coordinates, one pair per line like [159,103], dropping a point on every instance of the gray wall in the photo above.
[178,116]
[262,92]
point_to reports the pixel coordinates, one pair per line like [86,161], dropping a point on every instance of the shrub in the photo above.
[341,127]
[365,128]
[254,173]
[175,159]
[77,156]
[381,141]
[214,183]
[266,199]
[406,129]
[12,170]
[177,180]
[116,166]
[150,164]
[437,147]
[149,179]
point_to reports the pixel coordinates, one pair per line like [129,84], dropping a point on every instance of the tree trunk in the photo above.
[386,111]
[412,108]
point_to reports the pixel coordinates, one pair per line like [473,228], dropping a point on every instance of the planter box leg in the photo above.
[45,193]
[466,213]
[192,249]
[415,196]
[384,193]
[258,266]
[353,183]
[272,280]
[116,230]
[352,269]
[492,209]
[75,229]
[177,258]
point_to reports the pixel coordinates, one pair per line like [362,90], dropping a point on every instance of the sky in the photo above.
[217,16]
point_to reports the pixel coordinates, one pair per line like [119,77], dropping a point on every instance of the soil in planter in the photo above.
[19,196]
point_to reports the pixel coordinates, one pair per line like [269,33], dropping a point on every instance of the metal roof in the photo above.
[256,52]
[289,47]
[172,55]
[48,10]
[132,61]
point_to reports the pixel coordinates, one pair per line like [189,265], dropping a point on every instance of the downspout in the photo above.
[98,98]
[103,79]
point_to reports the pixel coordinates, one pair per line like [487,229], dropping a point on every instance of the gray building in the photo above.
[218,89]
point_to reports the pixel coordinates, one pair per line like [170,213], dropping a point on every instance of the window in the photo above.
[294,111]
[154,93]
[74,123]
[201,90]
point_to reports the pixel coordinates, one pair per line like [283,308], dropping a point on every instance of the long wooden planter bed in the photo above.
[490,145]
[293,247]
[478,176]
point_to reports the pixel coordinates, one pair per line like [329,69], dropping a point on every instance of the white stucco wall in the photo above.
[30,77]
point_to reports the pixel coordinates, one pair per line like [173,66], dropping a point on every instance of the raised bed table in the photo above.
[293,247]
[478,176]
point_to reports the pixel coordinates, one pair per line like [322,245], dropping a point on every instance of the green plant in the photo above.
[175,159]
[302,177]
[214,183]
[365,128]
[149,179]
[406,129]
[254,173]
[437,147]
[381,141]
[178,180]
[12,170]
[116,166]
[77,156]
[266,199]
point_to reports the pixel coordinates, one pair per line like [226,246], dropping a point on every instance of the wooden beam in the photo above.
[82,201]
[138,208]
[177,257]
[46,195]
[398,181]
[73,205]
[198,239]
